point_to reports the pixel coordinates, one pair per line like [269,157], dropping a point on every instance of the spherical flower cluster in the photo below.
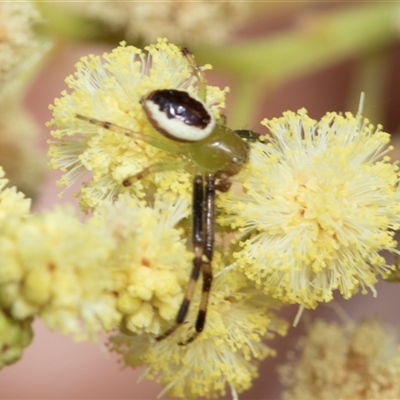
[227,352]
[17,37]
[110,89]
[321,202]
[52,266]
[15,334]
[182,22]
[344,362]
[150,265]
[126,266]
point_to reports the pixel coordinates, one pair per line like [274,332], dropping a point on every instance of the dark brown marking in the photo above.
[178,104]
[51,267]
[201,320]
[183,311]
[145,262]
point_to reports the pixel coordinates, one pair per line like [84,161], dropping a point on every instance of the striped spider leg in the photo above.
[203,220]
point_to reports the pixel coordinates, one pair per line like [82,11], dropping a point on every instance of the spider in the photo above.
[209,148]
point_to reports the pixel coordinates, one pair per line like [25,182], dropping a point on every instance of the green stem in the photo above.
[370,77]
[66,23]
[244,107]
[328,38]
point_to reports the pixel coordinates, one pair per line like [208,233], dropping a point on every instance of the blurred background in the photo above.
[274,56]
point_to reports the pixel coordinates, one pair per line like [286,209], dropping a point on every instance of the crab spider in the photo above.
[203,145]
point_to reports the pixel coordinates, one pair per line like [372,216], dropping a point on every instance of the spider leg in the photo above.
[198,72]
[208,250]
[197,240]
[160,143]
[248,135]
[171,165]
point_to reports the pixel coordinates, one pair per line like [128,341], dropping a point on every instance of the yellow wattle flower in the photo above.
[149,267]
[53,267]
[17,36]
[193,22]
[351,361]
[321,202]
[225,356]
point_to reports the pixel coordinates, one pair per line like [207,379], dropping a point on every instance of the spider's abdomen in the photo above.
[178,115]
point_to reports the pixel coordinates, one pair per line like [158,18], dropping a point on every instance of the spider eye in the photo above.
[178,115]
